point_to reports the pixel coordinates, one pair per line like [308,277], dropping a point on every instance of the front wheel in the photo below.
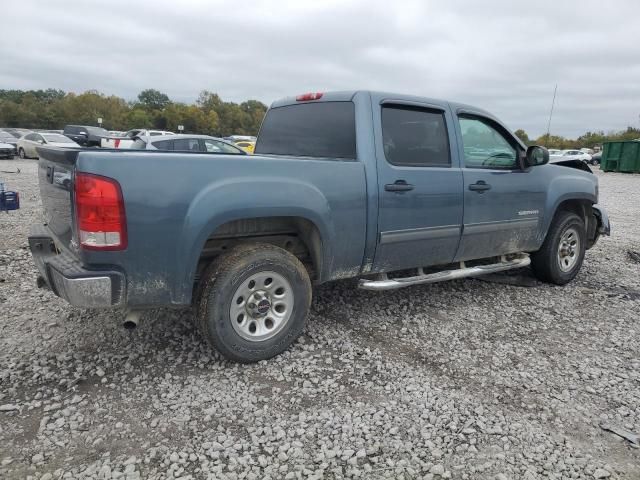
[562,253]
[21,153]
[254,302]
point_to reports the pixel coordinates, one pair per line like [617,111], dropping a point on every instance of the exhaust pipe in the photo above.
[131,320]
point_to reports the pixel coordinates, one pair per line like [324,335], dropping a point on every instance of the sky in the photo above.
[503,56]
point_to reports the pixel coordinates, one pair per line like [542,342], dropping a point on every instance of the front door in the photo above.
[503,203]
[419,187]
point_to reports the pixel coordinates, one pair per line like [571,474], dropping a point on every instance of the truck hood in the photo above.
[571,163]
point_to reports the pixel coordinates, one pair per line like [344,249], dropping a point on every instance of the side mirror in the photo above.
[536,155]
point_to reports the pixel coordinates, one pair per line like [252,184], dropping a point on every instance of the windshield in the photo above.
[56,138]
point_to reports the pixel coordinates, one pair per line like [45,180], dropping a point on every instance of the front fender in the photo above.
[242,198]
[575,185]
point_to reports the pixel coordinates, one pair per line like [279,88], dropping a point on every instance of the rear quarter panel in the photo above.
[175,201]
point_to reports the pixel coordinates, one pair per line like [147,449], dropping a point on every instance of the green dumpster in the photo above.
[621,157]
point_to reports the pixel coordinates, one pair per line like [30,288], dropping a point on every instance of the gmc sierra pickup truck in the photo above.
[392,189]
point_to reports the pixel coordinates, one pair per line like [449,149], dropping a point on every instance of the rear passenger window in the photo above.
[318,129]
[186,145]
[415,137]
[164,145]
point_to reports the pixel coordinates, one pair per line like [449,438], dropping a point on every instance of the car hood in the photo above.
[7,145]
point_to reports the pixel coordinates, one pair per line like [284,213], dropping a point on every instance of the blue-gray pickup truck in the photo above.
[395,190]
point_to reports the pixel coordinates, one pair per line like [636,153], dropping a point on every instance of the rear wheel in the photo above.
[562,253]
[21,153]
[254,302]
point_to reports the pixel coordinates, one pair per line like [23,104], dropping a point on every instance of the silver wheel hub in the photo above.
[568,249]
[261,306]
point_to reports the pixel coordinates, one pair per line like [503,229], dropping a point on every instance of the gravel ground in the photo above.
[465,380]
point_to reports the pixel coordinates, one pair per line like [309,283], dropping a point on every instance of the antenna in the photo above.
[551,113]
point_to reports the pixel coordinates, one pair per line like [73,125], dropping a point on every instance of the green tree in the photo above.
[153,99]
[522,135]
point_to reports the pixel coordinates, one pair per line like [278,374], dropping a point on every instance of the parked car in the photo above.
[126,141]
[27,144]
[247,146]
[576,155]
[17,132]
[86,136]
[596,158]
[346,184]
[186,143]
[554,152]
[6,137]
[7,150]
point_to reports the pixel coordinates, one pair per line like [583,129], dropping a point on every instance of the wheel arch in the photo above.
[298,234]
[580,205]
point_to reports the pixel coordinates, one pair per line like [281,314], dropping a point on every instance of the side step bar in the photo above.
[386,283]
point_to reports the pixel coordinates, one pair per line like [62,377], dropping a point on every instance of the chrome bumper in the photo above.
[68,279]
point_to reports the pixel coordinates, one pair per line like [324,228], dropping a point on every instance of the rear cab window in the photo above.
[317,130]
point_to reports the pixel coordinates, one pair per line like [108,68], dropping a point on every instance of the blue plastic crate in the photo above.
[9,201]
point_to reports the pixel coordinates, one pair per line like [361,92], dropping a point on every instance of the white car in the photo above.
[554,152]
[572,155]
[187,143]
[28,143]
[126,140]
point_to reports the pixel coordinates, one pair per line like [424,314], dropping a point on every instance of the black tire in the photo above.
[220,284]
[22,154]
[545,263]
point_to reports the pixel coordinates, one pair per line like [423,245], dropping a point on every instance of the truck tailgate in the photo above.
[55,178]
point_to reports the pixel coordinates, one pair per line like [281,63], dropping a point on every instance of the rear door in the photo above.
[503,203]
[33,140]
[419,185]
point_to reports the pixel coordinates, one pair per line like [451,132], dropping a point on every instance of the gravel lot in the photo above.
[465,380]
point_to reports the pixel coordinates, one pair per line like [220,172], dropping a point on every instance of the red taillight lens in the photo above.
[305,97]
[100,214]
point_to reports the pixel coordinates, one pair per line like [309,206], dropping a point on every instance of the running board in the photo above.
[386,283]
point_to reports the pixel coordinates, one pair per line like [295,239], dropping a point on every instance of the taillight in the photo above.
[305,97]
[102,224]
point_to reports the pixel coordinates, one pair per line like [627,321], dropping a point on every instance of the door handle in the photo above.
[398,186]
[481,186]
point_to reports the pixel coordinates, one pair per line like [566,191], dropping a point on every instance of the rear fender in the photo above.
[244,198]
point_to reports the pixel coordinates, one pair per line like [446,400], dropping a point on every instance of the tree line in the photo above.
[53,109]
[587,140]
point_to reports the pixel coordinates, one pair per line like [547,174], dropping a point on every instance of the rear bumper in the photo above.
[68,279]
